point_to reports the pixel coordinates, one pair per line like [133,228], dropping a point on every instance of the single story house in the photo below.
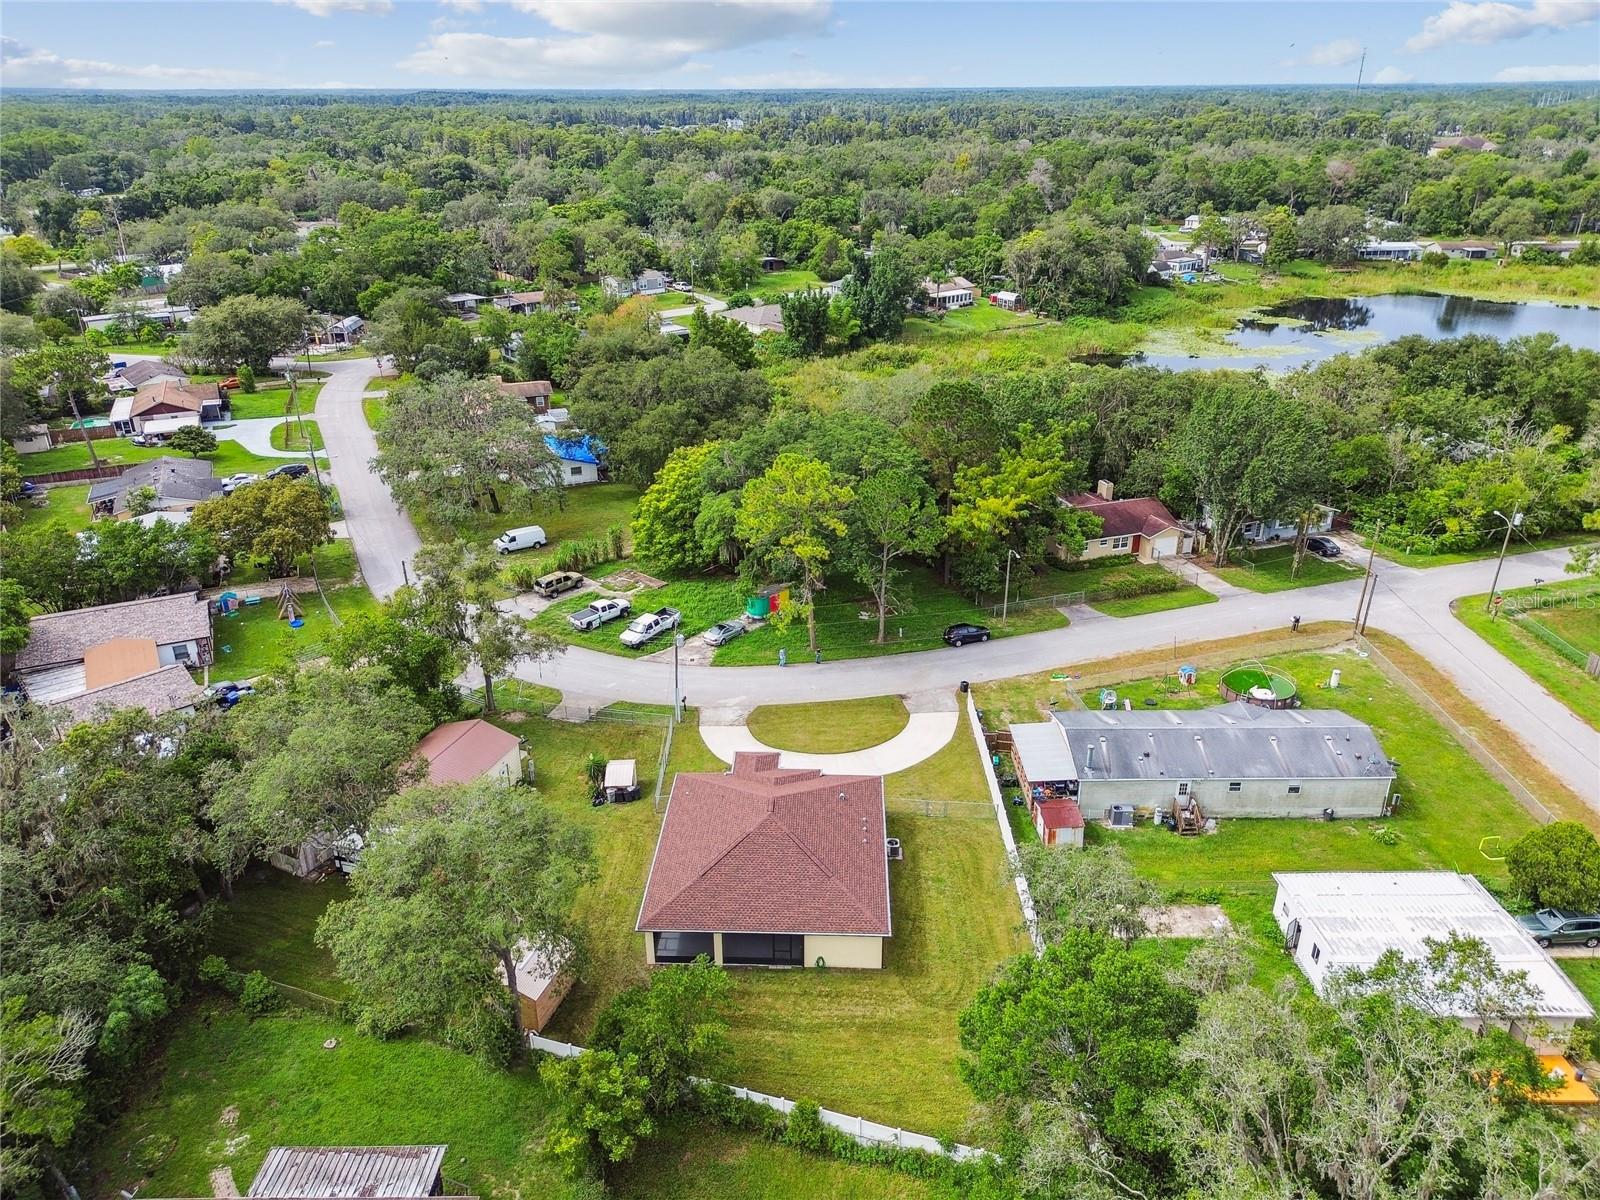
[1141,527]
[1337,920]
[1377,250]
[579,458]
[130,377]
[519,303]
[1471,141]
[1561,248]
[543,980]
[465,751]
[463,303]
[954,292]
[645,283]
[338,331]
[757,318]
[1043,764]
[350,1173]
[1259,530]
[763,866]
[169,316]
[179,484]
[1010,301]
[1253,249]
[536,392]
[1461,249]
[166,396]
[772,262]
[1191,223]
[1232,760]
[118,654]
[1175,264]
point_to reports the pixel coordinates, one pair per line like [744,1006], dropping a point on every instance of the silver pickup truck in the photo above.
[592,616]
[648,625]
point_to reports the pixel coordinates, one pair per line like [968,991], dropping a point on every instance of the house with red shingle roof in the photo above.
[771,867]
[1140,527]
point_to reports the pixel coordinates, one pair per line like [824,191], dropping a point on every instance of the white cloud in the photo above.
[326,8]
[1393,75]
[1587,73]
[1484,22]
[465,6]
[27,67]
[1340,52]
[605,37]
[323,44]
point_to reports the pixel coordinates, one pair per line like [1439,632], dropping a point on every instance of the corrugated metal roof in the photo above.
[1229,741]
[338,1172]
[1042,751]
[1357,916]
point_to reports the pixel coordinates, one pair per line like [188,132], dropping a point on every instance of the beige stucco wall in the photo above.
[862,953]
[1255,798]
[1095,550]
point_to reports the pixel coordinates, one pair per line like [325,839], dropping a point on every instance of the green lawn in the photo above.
[229,458]
[376,410]
[66,509]
[255,640]
[829,728]
[272,401]
[301,436]
[584,512]
[1185,597]
[1268,570]
[982,317]
[1489,549]
[269,925]
[1101,579]
[335,561]
[781,283]
[1571,610]
[954,774]
[1585,972]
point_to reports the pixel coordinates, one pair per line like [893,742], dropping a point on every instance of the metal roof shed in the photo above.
[339,1172]
[1042,752]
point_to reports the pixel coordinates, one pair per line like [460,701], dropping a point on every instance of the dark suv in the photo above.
[289,471]
[960,635]
[1557,927]
[1323,547]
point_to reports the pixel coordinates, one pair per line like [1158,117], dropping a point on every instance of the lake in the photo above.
[1322,328]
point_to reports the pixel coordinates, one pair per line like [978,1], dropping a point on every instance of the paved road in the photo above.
[710,303]
[255,435]
[1412,604]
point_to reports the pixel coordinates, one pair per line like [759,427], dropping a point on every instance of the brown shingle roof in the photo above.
[169,393]
[461,751]
[162,691]
[142,372]
[528,389]
[65,637]
[118,660]
[767,850]
[1122,518]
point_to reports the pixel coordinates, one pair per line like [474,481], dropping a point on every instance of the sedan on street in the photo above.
[960,635]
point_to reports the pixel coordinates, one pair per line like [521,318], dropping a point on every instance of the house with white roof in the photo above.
[1340,920]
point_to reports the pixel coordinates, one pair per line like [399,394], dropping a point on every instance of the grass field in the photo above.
[829,728]
[272,401]
[269,926]
[587,512]
[1488,550]
[1099,579]
[1585,972]
[1268,570]
[256,640]
[66,509]
[1571,611]
[980,318]
[228,458]
[954,774]
[376,411]
[302,436]
[335,562]
[781,283]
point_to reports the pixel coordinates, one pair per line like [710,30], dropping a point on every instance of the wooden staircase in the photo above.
[1189,817]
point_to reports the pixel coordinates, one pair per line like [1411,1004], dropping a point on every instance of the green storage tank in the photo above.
[758,607]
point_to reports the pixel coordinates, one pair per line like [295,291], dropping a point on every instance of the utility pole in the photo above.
[677,693]
[1368,581]
[1005,600]
[1494,588]
[77,419]
[1361,70]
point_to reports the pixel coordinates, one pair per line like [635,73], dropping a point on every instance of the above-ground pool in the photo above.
[1254,684]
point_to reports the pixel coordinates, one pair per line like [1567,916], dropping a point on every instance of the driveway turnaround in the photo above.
[255,435]
[925,734]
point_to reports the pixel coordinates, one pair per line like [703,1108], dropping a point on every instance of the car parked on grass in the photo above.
[1561,927]
[556,582]
[650,625]
[1323,547]
[592,616]
[528,537]
[960,635]
[289,471]
[226,695]
[723,632]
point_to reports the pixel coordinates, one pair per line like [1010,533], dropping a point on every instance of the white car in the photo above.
[238,481]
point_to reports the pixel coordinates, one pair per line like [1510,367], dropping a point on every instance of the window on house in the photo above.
[1294,789]
[1235,786]
[1105,541]
[574,471]
[1121,543]
[1316,952]
[683,947]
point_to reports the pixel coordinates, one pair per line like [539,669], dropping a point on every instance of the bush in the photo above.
[614,541]
[247,380]
[216,973]
[522,575]
[487,1036]
[1557,866]
[259,997]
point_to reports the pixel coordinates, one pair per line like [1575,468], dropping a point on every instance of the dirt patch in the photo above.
[222,1183]
[1187,920]
[230,1116]
[632,577]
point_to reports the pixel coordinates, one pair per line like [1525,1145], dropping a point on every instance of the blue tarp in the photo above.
[580,450]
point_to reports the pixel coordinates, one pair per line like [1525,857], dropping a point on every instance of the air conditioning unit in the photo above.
[1120,816]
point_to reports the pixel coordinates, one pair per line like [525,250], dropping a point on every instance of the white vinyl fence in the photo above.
[1029,916]
[868,1133]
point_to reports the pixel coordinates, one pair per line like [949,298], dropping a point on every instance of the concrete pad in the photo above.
[925,734]
[1187,920]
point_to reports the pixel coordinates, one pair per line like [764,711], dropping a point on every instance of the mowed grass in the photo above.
[273,401]
[1570,610]
[335,563]
[301,436]
[829,728]
[1585,972]
[229,458]
[580,513]
[256,640]
[954,774]
[781,283]
[1099,580]
[979,318]
[1489,549]
[1269,570]
[66,509]
[270,926]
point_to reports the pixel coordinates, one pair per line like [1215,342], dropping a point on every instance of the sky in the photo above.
[714,44]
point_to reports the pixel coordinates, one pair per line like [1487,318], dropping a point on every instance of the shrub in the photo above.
[215,972]
[259,997]
[247,379]
[614,541]
[487,1036]
[1557,866]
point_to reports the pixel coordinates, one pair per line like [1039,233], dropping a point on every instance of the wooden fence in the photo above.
[60,435]
[80,475]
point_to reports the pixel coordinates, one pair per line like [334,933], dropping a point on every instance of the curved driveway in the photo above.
[1411,604]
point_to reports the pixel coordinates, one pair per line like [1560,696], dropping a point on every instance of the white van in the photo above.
[529,537]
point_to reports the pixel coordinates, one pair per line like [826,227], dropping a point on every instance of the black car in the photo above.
[289,471]
[960,635]
[1323,547]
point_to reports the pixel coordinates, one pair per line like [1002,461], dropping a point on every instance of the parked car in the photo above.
[289,471]
[650,625]
[592,616]
[233,482]
[1323,547]
[149,439]
[556,582]
[1559,927]
[723,632]
[960,635]
[234,693]
[528,537]
[228,384]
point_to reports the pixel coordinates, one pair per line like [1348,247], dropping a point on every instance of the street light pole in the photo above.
[1514,519]
[1005,599]
[677,694]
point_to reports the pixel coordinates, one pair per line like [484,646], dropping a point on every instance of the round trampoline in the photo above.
[1254,684]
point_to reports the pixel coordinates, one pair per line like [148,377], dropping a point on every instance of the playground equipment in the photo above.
[289,606]
[1254,684]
